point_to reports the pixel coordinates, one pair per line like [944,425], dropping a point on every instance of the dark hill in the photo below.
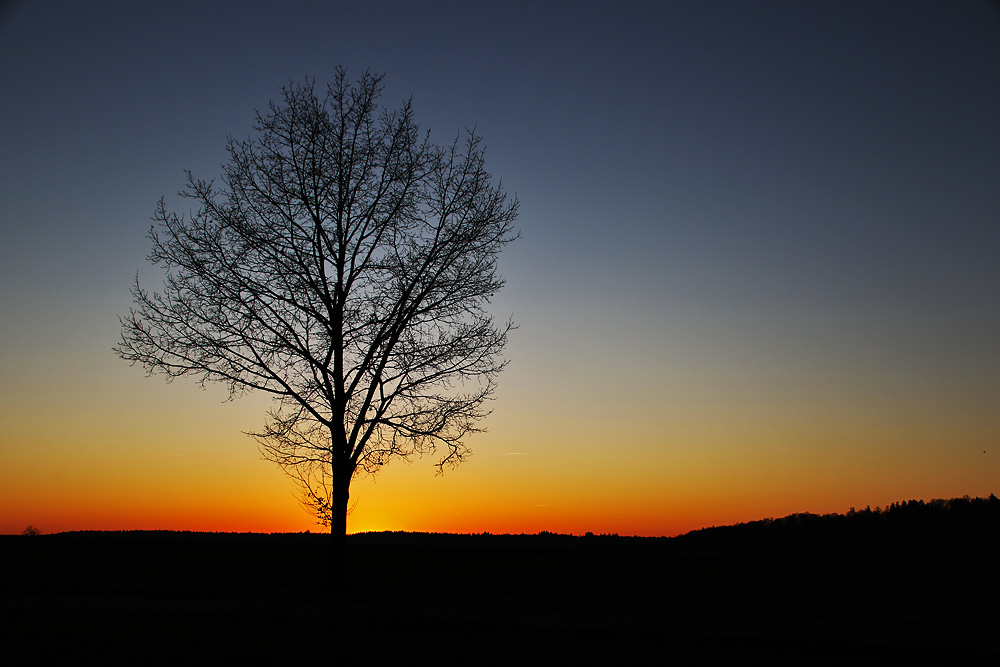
[911,583]
[958,523]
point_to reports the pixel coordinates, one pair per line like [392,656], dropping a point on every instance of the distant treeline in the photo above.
[939,524]
[959,523]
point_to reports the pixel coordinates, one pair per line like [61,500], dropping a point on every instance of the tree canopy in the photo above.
[342,263]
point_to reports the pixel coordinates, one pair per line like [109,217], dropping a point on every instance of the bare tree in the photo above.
[343,265]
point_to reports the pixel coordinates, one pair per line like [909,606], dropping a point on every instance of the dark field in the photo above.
[141,598]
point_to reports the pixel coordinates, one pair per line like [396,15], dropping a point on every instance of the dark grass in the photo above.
[786,591]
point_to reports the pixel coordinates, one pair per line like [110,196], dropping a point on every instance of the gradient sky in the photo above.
[759,271]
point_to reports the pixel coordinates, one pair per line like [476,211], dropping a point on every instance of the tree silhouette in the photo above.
[342,265]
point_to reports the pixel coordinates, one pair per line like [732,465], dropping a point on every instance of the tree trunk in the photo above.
[338,534]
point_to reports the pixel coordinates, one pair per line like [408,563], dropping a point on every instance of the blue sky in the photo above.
[763,231]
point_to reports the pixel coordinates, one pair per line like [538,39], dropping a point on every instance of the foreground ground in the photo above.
[201,598]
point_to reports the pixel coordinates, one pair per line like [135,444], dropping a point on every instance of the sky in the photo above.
[758,272]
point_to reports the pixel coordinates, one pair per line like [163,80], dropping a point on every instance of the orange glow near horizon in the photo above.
[202,474]
[461,502]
